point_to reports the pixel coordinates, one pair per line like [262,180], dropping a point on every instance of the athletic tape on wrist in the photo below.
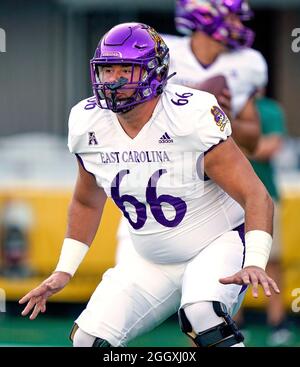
[72,254]
[258,246]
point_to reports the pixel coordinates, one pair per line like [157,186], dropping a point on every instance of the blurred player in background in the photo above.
[218,43]
[185,199]
[273,128]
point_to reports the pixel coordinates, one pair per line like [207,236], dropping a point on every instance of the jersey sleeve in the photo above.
[78,122]
[252,75]
[213,126]
[71,133]
[258,71]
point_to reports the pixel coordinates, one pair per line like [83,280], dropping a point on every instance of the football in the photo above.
[214,85]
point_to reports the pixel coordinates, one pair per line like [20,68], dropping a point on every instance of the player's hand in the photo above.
[224,100]
[37,298]
[253,275]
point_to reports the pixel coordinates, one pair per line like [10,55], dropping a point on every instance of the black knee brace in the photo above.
[225,334]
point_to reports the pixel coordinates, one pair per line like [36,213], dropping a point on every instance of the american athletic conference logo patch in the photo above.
[220,117]
[92,138]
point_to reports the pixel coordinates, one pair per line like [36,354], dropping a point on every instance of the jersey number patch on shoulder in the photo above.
[91,103]
[182,100]
[152,199]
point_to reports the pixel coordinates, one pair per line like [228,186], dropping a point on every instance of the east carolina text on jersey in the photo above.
[134,156]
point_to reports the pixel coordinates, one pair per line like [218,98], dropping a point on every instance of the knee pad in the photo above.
[82,339]
[223,334]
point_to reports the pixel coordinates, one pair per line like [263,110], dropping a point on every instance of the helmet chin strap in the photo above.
[113,87]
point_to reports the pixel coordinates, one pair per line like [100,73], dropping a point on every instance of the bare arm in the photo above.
[230,169]
[86,208]
[84,216]
[246,128]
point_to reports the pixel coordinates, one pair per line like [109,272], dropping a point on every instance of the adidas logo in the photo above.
[165,139]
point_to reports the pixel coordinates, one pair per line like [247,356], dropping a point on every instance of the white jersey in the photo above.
[245,69]
[155,178]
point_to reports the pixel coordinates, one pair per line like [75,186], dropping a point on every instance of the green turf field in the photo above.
[53,331]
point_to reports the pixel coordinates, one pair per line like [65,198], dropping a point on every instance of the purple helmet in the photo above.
[131,44]
[209,16]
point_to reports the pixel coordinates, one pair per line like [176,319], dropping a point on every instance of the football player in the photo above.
[166,158]
[218,43]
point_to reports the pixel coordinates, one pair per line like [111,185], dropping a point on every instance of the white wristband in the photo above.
[258,246]
[72,253]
